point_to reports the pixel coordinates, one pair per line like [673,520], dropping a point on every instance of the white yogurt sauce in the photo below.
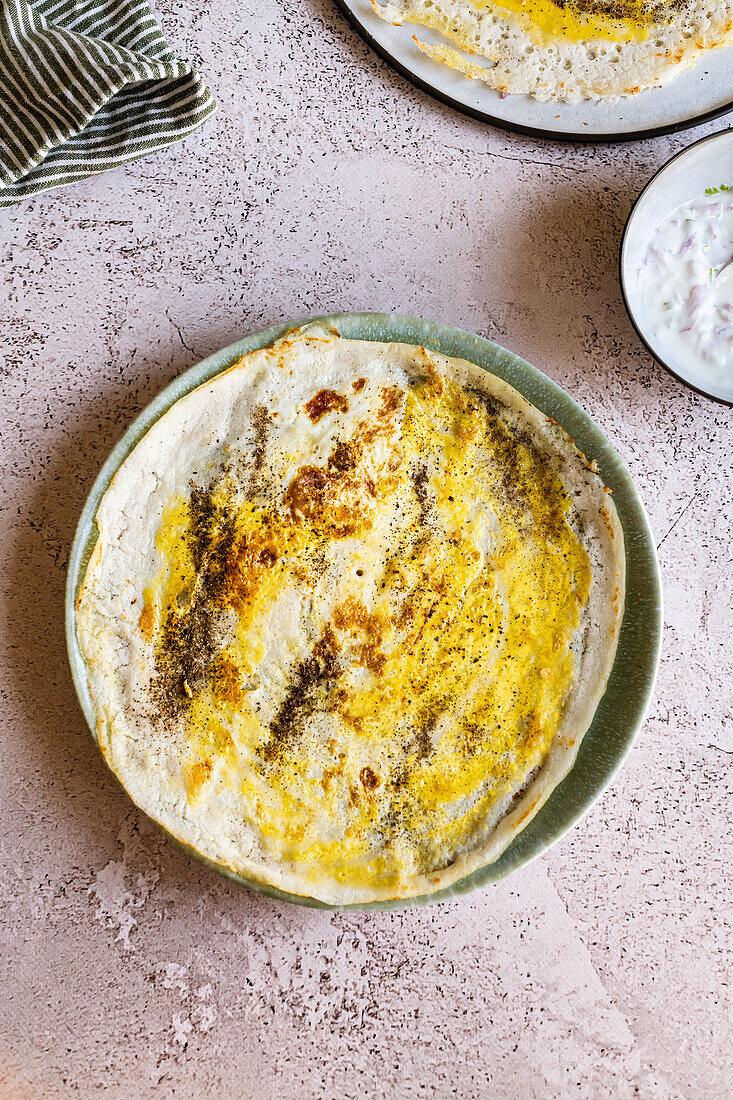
[691,318]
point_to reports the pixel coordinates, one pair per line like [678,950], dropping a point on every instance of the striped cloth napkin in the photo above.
[86,85]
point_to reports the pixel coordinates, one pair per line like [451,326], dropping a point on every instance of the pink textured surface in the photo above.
[326,183]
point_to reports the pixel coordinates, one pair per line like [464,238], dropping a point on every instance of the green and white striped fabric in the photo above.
[86,85]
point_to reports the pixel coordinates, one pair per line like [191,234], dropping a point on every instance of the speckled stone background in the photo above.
[325,183]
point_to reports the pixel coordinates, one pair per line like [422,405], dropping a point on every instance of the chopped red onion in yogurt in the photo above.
[689,314]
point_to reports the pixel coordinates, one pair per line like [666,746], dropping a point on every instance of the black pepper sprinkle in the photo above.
[308,687]
[191,635]
[636,11]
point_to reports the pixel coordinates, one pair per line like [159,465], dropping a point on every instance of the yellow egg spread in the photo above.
[417,690]
[583,20]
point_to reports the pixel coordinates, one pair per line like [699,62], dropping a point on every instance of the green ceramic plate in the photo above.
[622,709]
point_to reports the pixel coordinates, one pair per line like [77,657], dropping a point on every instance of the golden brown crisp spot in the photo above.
[391,400]
[382,422]
[369,780]
[371,656]
[198,774]
[227,681]
[146,621]
[308,497]
[323,402]
[367,630]
[245,564]
[358,385]
[339,498]
[349,614]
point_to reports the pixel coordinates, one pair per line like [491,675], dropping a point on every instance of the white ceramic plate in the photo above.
[707,163]
[702,94]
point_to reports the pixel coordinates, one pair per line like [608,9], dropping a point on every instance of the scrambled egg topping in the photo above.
[368,662]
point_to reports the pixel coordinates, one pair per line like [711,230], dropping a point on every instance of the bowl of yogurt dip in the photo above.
[676,246]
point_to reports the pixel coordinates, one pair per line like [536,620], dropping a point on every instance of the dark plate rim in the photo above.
[518,127]
[622,280]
